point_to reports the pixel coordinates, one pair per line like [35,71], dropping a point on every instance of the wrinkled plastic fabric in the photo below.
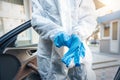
[75,45]
[62,39]
[75,52]
[50,17]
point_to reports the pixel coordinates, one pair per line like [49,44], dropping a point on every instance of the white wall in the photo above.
[11,15]
[10,10]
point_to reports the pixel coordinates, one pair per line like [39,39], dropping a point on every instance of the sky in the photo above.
[111,6]
[114,4]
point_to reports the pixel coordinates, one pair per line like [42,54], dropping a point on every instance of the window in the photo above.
[114,30]
[27,38]
[106,30]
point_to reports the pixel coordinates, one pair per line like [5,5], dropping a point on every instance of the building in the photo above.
[14,13]
[110,32]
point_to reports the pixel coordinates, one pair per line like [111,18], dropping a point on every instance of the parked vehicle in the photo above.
[94,41]
[18,63]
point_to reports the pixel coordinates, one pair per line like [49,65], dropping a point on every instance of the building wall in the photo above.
[110,43]
[11,15]
[105,45]
[14,13]
[19,2]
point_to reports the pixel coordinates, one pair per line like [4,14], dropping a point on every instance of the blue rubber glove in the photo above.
[62,39]
[76,50]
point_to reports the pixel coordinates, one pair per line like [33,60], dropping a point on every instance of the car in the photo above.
[19,62]
[94,42]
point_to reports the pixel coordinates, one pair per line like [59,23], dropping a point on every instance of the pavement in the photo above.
[103,57]
[105,65]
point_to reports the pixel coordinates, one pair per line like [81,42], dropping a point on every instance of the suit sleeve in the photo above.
[87,19]
[43,21]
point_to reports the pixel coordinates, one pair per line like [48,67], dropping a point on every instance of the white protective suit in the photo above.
[71,16]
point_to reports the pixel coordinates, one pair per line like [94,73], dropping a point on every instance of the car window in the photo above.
[27,37]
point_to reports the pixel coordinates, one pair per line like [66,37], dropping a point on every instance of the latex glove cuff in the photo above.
[62,39]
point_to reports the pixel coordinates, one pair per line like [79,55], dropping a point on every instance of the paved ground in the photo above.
[105,65]
[103,57]
[95,50]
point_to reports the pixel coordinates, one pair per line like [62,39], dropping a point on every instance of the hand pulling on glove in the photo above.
[75,45]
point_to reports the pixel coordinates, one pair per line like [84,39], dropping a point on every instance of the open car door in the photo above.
[17,63]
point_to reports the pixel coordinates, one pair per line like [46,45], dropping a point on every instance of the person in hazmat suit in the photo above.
[63,26]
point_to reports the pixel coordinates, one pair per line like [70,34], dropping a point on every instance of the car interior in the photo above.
[18,63]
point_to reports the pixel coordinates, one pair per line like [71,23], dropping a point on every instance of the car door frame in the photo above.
[9,38]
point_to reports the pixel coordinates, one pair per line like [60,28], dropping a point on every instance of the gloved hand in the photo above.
[76,50]
[62,39]
[76,47]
